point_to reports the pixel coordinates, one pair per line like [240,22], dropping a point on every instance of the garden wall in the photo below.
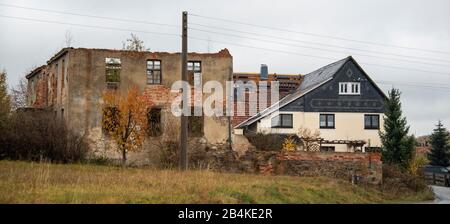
[351,166]
[361,167]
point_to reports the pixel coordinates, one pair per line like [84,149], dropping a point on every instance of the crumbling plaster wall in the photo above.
[86,72]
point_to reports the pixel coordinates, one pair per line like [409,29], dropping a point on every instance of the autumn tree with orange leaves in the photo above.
[125,119]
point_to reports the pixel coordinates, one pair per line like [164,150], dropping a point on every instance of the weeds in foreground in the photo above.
[22,182]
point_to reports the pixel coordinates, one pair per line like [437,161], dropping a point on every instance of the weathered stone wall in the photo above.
[86,71]
[362,167]
[72,82]
[37,88]
[365,166]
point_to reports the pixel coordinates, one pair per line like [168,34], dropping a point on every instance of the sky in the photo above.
[403,44]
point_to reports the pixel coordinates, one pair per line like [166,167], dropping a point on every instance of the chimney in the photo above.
[264,75]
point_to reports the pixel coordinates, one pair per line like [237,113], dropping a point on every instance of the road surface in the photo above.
[442,194]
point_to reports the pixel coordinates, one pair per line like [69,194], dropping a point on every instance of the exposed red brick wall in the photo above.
[367,166]
[160,95]
[249,112]
[286,86]
[266,169]
[330,156]
[40,89]
[422,150]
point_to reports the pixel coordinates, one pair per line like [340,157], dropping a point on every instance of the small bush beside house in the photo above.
[35,135]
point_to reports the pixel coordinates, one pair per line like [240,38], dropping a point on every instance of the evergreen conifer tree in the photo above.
[398,147]
[439,154]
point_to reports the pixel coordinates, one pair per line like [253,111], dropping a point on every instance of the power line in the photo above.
[240,45]
[319,43]
[262,48]
[176,26]
[319,35]
[408,69]
[89,26]
[420,83]
[91,16]
[321,57]
[412,85]
[316,48]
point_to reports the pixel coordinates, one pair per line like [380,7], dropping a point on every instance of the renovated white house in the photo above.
[338,100]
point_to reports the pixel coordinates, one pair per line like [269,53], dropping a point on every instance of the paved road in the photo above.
[442,194]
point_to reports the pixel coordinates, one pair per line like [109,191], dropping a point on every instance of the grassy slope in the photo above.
[22,182]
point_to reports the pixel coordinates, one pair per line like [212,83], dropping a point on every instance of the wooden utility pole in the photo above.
[184,125]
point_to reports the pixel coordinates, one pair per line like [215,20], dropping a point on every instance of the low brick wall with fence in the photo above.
[357,167]
[353,166]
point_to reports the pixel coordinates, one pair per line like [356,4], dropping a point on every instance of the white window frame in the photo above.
[349,88]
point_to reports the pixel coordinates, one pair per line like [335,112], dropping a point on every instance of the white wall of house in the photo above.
[348,126]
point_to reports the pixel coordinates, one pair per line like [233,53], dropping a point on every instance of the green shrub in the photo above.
[100,160]
[400,180]
[267,142]
[38,136]
[168,154]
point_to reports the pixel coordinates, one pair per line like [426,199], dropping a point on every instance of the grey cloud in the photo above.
[414,23]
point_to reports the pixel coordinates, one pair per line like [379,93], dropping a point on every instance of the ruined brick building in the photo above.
[72,82]
[287,84]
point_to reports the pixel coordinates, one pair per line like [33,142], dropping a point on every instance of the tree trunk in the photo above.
[124,158]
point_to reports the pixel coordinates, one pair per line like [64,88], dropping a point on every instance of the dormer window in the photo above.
[349,88]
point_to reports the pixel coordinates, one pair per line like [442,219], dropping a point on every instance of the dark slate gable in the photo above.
[296,105]
[322,74]
[319,92]
[310,82]
[326,98]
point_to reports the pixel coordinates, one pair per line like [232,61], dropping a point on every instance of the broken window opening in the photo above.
[154,72]
[194,73]
[110,119]
[113,67]
[154,122]
[62,75]
[195,125]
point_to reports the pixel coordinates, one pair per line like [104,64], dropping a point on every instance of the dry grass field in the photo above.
[25,182]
